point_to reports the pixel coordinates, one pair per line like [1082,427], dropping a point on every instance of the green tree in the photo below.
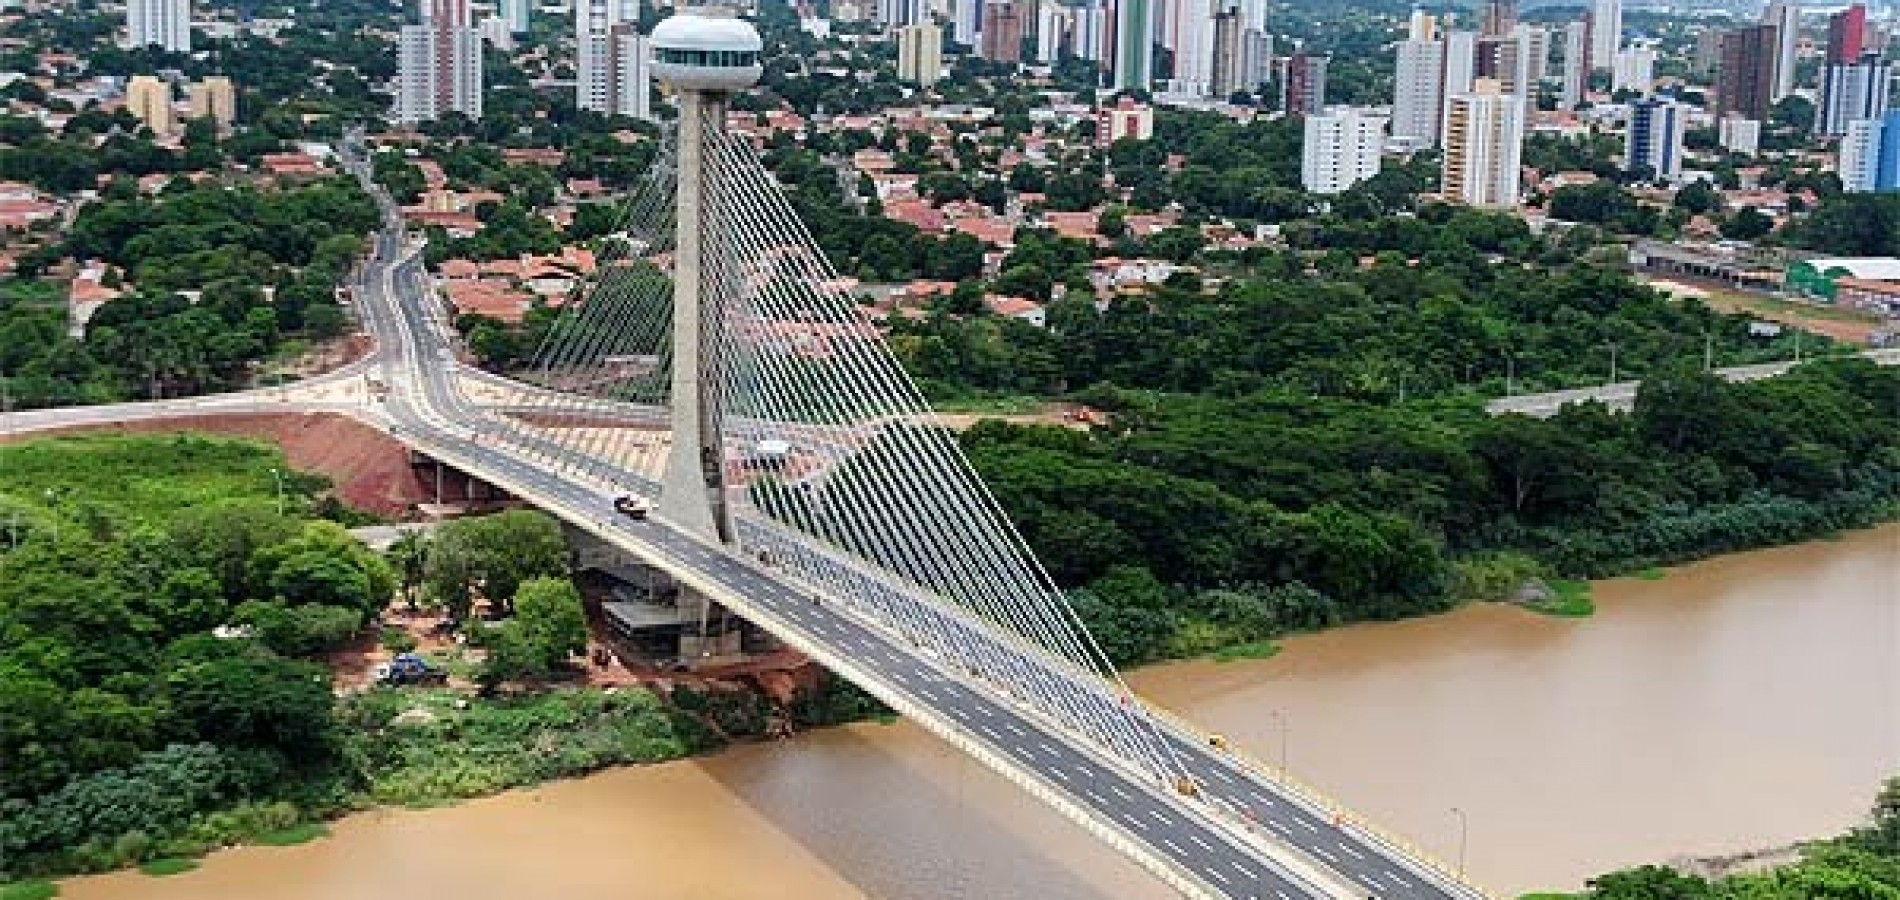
[551,618]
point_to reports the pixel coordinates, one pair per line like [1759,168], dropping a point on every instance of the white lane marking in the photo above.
[1323,853]
[1247,869]
[1350,851]
[1114,787]
[1159,816]
[1196,838]
[1174,846]
[1219,876]
[1307,825]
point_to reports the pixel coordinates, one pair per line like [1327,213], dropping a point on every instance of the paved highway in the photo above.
[1209,838]
[1622,394]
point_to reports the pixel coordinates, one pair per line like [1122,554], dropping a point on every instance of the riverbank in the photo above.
[1576,747]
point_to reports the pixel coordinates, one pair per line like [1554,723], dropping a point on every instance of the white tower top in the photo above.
[706,49]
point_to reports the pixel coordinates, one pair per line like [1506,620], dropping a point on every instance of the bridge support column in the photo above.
[693,486]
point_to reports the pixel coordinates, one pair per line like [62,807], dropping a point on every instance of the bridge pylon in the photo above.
[704,53]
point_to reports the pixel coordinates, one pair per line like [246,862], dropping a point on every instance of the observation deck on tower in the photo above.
[707,48]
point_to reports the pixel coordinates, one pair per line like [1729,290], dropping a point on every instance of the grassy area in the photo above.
[29,890]
[170,865]
[141,479]
[424,747]
[1652,573]
[1251,650]
[1572,600]
[1778,308]
[292,836]
[994,406]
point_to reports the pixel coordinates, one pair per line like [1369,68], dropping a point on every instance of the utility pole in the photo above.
[1708,351]
[1284,728]
[278,476]
[1613,349]
[1510,376]
[1464,837]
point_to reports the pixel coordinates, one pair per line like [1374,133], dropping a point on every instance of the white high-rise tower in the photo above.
[1418,88]
[614,75]
[1785,15]
[1606,32]
[704,56]
[166,23]
[439,64]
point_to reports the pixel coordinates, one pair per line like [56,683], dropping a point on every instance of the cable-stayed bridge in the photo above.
[782,466]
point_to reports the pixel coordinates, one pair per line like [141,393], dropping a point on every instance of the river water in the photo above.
[1738,703]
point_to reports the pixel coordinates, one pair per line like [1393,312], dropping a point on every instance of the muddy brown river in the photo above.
[1739,703]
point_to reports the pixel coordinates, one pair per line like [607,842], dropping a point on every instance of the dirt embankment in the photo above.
[371,470]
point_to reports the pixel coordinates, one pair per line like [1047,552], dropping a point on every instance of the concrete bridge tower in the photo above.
[704,53]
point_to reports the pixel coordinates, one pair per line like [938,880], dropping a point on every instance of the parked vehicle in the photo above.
[408,668]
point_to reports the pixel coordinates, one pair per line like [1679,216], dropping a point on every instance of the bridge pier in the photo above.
[658,619]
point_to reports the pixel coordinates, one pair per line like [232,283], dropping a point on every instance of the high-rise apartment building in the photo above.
[214,98]
[899,13]
[517,13]
[966,20]
[1460,71]
[1302,79]
[614,74]
[1654,142]
[1517,60]
[1091,31]
[1256,43]
[1228,76]
[1001,37]
[1134,44]
[1484,147]
[920,54]
[1418,84]
[1870,155]
[1051,22]
[1745,78]
[439,64]
[1606,31]
[1847,35]
[166,23]
[1854,91]
[1498,19]
[1187,29]
[150,100]
[1635,69]
[1577,63]
[1342,148]
[1785,17]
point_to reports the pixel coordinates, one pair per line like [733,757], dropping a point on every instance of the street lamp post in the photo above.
[1284,728]
[1613,349]
[1464,837]
[1510,376]
[52,499]
[277,475]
